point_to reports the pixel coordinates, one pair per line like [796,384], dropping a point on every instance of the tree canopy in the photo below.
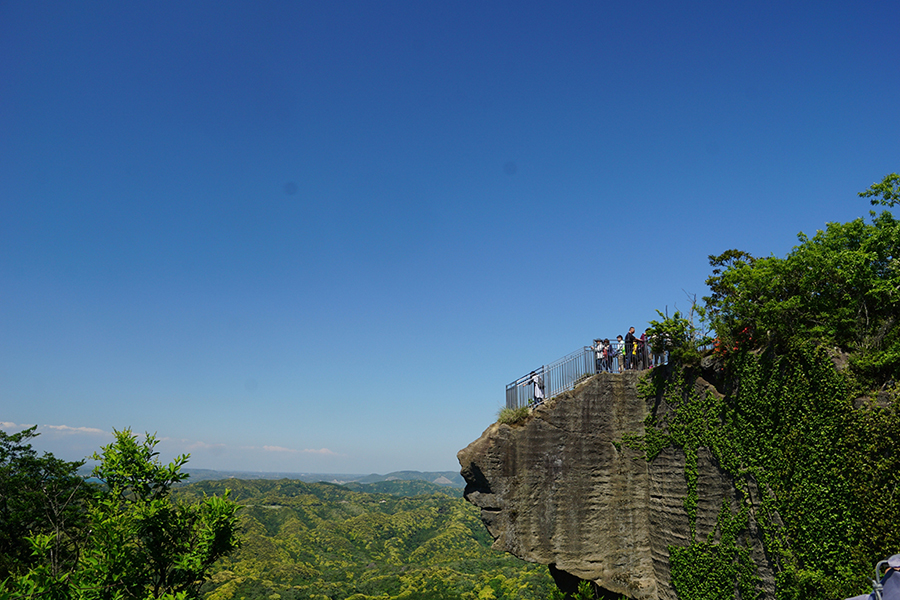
[886,193]
[38,495]
[840,287]
[127,539]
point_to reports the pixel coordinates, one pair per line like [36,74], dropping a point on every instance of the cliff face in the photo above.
[560,489]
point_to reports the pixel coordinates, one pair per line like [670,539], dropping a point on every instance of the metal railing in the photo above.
[564,374]
[558,377]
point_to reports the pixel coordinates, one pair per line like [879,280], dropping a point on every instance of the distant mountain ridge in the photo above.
[441,478]
[404,487]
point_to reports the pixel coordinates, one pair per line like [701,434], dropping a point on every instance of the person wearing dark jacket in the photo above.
[629,349]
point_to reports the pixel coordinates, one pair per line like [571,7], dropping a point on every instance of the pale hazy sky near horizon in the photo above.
[322,236]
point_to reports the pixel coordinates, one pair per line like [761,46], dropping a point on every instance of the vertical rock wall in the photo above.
[559,489]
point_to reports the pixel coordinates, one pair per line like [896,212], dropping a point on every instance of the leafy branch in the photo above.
[886,193]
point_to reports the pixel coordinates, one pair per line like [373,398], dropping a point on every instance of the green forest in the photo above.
[409,540]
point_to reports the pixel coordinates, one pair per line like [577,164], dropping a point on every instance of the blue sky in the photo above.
[322,236]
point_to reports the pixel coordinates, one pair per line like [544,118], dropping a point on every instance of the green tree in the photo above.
[812,445]
[682,336]
[138,543]
[145,544]
[38,495]
[840,287]
[886,193]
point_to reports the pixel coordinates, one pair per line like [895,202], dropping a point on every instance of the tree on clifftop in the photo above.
[886,193]
[840,287]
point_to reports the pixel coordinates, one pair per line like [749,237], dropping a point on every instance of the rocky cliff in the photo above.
[561,489]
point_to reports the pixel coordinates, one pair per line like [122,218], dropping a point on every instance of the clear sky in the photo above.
[323,236]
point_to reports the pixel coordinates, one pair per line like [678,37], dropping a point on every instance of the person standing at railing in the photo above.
[629,349]
[607,356]
[618,356]
[639,352]
[599,352]
[886,585]
[538,390]
[645,349]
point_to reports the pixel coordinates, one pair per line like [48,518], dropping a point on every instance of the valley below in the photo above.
[405,539]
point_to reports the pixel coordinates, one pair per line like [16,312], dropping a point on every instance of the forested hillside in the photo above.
[318,541]
[404,488]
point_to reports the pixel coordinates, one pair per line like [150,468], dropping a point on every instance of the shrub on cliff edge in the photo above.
[512,416]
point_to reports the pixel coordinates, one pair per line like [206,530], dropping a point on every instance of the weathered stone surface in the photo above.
[560,490]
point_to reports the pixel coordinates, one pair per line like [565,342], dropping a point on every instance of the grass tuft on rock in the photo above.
[512,416]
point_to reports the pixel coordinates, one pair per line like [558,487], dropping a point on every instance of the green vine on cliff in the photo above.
[689,420]
[824,473]
[691,499]
[715,570]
